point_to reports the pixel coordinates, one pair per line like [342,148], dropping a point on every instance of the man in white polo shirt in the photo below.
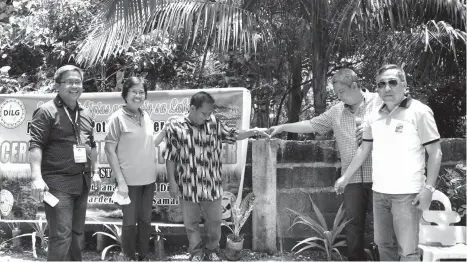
[399,133]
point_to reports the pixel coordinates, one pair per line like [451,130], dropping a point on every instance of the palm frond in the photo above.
[307,241]
[362,16]
[427,50]
[224,223]
[314,226]
[310,245]
[339,229]
[318,214]
[341,243]
[223,26]
[442,34]
[337,251]
[22,235]
[104,252]
[340,215]
[306,220]
[116,232]
[106,234]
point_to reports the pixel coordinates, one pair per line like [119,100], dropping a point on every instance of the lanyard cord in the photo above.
[73,124]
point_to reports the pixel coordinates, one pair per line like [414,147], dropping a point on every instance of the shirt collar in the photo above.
[406,102]
[59,102]
[187,119]
[127,112]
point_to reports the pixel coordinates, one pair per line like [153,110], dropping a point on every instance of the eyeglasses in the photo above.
[72,83]
[392,83]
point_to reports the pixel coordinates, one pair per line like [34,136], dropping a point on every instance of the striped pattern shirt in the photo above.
[341,120]
[52,132]
[196,151]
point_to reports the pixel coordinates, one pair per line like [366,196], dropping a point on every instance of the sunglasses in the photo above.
[392,83]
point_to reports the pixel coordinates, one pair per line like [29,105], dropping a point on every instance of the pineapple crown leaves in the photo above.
[327,235]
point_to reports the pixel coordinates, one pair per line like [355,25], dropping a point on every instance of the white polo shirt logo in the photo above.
[399,128]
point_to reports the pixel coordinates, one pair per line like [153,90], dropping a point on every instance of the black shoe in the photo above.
[145,258]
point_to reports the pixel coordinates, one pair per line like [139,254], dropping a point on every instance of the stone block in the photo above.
[307,152]
[327,202]
[285,177]
[306,177]
[299,202]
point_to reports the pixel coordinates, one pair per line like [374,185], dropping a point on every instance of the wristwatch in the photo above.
[431,188]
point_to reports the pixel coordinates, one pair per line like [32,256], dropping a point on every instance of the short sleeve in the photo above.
[322,123]
[172,148]
[114,130]
[367,133]
[228,134]
[426,127]
[41,125]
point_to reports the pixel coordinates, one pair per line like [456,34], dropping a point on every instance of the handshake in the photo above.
[267,133]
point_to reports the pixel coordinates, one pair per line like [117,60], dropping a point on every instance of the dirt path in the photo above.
[180,255]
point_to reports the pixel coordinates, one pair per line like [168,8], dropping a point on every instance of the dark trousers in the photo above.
[66,225]
[138,211]
[357,202]
[191,213]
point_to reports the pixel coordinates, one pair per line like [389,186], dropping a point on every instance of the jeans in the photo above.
[138,211]
[396,226]
[66,225]
[191,213]
[357,201]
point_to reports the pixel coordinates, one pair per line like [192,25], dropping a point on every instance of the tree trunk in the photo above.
[319,88]
[295,96]
[320,54]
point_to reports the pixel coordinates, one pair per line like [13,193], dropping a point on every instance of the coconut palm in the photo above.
[221,25]
[327,28]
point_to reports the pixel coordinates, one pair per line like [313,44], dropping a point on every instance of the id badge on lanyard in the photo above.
[79,151]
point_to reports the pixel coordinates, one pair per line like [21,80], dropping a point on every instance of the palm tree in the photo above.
[220,25]
[331,28]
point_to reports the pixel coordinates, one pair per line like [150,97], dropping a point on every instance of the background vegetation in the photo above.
[38,36]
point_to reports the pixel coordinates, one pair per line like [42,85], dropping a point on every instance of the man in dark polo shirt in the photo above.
[61,147]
